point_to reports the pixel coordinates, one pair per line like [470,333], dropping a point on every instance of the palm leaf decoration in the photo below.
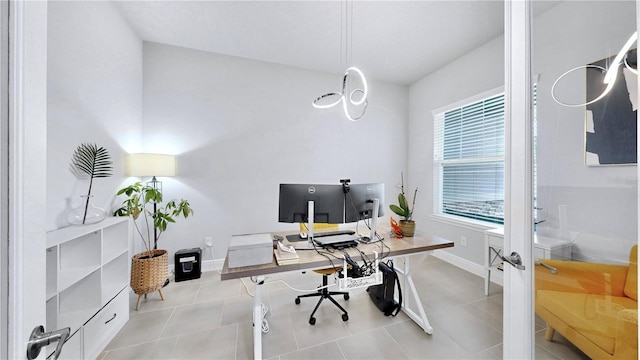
[94,162]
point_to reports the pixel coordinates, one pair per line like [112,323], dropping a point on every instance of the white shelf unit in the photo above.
[543,248]
[87,277]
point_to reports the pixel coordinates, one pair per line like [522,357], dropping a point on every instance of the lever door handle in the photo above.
[514,259]
[40,339]
[551,268]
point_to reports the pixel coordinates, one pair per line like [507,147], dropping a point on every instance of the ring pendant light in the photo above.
[610,77]
[352,74]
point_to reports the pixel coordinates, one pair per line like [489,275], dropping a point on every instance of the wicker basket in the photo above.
[149,274]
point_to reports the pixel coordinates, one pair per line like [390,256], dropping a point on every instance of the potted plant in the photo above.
[407,224]
[149,269]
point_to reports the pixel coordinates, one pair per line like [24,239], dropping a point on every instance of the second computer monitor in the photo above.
[359,201]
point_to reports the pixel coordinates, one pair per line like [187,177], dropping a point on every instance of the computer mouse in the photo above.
[303,235]
[365,239]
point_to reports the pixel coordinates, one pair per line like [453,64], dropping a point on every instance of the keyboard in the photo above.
[333,233]
[339,238]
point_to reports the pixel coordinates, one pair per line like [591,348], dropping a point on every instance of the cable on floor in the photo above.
[213,258]
[265,323]
[246,287]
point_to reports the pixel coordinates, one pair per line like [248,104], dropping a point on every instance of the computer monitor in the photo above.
[359,201]
[328,203]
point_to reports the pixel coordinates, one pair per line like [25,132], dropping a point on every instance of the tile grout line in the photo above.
[164,328]
[395,341]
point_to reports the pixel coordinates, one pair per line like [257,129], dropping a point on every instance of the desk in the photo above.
[543,248]
[310,260]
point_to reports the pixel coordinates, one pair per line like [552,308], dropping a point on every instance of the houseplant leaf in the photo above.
[93,161]
[402,201]
[397,210]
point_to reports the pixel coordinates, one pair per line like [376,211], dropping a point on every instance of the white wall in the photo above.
[600,201]
[241,127]
[94,96]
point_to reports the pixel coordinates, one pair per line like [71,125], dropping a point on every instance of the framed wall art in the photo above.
[611,122]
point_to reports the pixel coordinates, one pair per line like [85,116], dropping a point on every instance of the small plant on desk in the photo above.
[407,224]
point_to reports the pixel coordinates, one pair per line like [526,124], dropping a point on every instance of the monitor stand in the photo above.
[307,245]
[374,220]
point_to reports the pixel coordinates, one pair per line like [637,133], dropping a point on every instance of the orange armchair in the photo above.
[595,306]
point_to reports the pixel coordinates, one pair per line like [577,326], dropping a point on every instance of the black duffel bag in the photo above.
[383,294]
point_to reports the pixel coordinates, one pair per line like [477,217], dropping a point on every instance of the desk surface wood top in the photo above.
[311,259]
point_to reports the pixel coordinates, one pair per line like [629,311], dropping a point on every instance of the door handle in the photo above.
[515,260]
[40,339]
[551,268]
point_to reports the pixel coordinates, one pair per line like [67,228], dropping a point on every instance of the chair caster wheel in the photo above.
[346,296]
[345,317]
[297,301]
[312,321]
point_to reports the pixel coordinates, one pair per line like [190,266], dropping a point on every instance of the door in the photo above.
[583,189]
[587,178]
[23,153]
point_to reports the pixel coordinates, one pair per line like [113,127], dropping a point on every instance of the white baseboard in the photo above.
[212,265]
[467,265]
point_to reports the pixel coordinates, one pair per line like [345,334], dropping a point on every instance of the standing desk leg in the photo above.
[257,319]
[419,318]
[487,279]
[487,267]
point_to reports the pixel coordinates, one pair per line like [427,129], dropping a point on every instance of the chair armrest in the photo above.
[581,277]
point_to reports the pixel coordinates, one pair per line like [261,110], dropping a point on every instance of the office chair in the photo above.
[324,293]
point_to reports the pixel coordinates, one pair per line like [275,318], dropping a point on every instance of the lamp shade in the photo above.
[151,165]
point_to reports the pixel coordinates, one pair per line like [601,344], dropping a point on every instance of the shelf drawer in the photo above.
[103,327]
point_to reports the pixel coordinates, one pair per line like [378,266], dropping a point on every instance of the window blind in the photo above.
[469,160]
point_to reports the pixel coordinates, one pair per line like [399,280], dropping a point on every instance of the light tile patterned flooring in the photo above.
[211,319]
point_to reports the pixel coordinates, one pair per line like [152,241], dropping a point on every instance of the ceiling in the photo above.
[394,41]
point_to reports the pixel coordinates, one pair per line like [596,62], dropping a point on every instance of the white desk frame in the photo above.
[419,317]
[257,318]
[412,305]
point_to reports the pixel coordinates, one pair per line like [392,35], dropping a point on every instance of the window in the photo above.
[469,160]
